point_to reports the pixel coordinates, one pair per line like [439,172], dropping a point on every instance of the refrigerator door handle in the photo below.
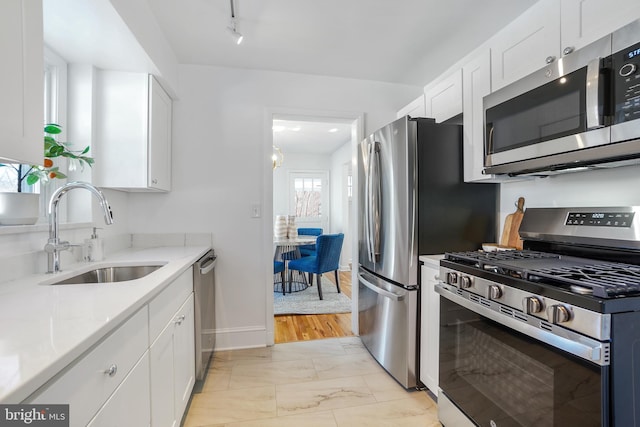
[391,295]
[367,204]
[376,201]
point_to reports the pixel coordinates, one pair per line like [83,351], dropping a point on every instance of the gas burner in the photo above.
[582,290]
[605,280]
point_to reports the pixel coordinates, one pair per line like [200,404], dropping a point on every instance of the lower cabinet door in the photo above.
[184,357]
[129,405]
[162,385]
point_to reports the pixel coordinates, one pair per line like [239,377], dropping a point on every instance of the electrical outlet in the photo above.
[255,210]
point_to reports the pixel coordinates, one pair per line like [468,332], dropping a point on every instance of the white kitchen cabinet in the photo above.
[21,82]
[527,44]
[184,360]
[172,352]
[443,100]
[90,381]
[123,407]
[414,109]
[429,324]
[133,141]
[585,21]
[476,83]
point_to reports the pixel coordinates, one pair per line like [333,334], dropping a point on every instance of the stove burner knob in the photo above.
[532,305]
[494,292]
[452,278]
[558,314]
[465,282]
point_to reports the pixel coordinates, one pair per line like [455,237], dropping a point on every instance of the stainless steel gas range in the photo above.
[548,335]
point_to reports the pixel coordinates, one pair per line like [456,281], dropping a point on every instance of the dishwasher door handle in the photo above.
[207,265]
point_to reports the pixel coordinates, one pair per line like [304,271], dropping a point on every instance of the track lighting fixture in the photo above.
[237,36]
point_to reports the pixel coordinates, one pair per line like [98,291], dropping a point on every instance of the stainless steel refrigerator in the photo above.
[412,201]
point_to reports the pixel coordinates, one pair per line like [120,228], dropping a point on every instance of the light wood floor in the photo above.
[302,327]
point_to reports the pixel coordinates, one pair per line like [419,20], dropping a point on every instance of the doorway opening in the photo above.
[312,182]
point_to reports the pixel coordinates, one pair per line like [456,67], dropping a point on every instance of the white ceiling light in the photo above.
[232,28]
[333,130]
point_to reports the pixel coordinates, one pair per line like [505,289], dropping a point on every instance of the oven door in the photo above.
[492,375]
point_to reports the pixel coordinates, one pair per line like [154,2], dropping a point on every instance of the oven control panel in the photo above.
[600,219]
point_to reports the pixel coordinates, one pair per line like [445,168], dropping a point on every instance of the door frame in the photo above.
[357,134]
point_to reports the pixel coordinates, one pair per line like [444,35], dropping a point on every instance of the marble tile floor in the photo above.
[323,383]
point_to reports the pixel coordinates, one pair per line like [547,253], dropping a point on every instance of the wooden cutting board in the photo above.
[510,236]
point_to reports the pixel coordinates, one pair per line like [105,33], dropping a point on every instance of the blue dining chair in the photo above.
[278,267]
[328,248]
[308,250]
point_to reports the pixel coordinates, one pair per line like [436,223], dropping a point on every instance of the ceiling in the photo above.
[399,41]
[310,136]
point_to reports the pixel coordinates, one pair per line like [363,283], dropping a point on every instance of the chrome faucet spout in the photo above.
[54,245]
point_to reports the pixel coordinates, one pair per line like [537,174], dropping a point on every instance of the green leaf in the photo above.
[49,140]
[32,179]
[56,151]
[53,129]
[86,150]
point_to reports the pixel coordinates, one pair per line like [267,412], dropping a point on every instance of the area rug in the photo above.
[307,302]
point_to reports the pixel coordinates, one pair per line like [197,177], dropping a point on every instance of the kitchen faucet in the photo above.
[54,245]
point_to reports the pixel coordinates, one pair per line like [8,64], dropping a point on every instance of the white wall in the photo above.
[609,187]
[339,204]
[222,165]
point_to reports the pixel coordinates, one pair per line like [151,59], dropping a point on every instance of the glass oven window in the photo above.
[500,377]
[551,111]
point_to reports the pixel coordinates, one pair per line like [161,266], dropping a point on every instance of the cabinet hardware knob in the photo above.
[154,181]
[567,50]
[112,370]
[180,319]
[550,59]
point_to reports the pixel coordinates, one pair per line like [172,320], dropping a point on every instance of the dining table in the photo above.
[286,249]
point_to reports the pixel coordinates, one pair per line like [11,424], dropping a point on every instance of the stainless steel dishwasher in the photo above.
[204,296]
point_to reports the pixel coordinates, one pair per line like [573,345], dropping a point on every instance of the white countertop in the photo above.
[432,260]
[43,328]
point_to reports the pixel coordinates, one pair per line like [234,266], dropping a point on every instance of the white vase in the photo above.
[19,208]
[292,227]
[280,227]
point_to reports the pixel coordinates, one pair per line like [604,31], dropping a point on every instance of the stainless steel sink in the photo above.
[110,275]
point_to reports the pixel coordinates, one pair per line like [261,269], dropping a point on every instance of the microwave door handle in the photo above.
[594,80]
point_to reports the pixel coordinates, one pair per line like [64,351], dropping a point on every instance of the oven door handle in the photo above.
[571,342]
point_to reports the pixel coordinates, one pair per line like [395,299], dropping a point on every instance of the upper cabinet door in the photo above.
[21,82]
[444,100]
[528,43]
[159,137]
[477,84]
[585,21]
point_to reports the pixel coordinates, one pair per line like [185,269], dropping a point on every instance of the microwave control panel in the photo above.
[626,75]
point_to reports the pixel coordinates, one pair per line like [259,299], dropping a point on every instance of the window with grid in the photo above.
[307,197]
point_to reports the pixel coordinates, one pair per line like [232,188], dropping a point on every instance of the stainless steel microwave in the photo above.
[580,111]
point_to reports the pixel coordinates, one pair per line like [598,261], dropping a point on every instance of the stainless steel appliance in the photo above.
[582,110]
[204,301]
[549,335]
[412,201]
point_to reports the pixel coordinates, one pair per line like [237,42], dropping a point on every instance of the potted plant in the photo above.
[20,208]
